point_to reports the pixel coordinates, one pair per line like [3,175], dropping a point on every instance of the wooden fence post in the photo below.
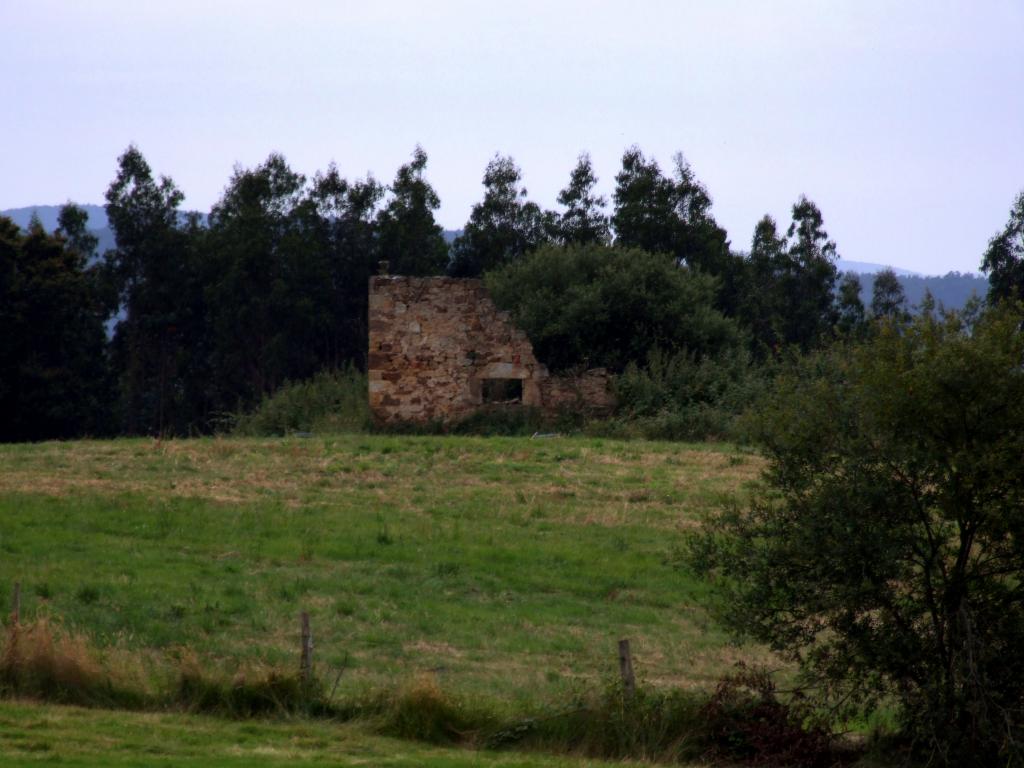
[306,666]
[16,604]
[626,669]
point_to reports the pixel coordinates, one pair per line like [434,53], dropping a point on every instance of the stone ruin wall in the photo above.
[436,341]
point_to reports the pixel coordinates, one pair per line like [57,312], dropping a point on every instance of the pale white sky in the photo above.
[902,119]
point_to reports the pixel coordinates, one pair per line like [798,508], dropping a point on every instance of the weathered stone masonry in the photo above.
[440,350]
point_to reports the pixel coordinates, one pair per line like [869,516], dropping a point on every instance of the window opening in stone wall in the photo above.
[502,391]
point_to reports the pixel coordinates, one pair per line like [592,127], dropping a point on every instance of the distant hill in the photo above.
[48,214]
[867,268]
[951,290]
[99,225]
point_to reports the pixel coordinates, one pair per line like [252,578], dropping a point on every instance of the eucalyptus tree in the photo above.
[672,215]
[808,287]
[888,299]
[503,226]
[54,379]
[1004,258]
[583,221]
[408,236]
[852,317]
[155,281]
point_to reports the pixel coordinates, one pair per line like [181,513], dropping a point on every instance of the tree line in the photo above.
[193,317]
[885,558]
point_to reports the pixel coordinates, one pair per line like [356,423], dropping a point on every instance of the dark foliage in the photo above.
[272,288]
[155,275]
[786,291]
[888,300]
[666,215]
[608,306]
[852,318]
[409,238]
[192,319]
[54,376]
[887,558]
[1004,259]
[810,283]
[583,222]
[746,722]
[284,278]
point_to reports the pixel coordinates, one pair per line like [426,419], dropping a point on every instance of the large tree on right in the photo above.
[886,554]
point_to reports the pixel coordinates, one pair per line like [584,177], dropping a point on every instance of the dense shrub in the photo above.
[745,721]
[683,397]
[332,401]
[604,306]
[673,382]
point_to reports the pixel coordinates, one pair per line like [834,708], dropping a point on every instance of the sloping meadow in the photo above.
[462,591]
[507,568]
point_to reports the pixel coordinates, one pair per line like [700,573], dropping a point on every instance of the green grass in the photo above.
[37,735]
[505,568]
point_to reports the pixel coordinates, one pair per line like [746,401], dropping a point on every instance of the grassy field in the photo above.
[507,568]
[32,735]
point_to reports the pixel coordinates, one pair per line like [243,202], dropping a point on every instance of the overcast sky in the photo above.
[902,120]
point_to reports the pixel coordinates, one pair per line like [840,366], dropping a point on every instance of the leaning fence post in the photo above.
[626,669]
[16,604]
[306,666]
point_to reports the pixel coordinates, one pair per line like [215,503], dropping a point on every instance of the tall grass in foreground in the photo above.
[742,720]
[43,660]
